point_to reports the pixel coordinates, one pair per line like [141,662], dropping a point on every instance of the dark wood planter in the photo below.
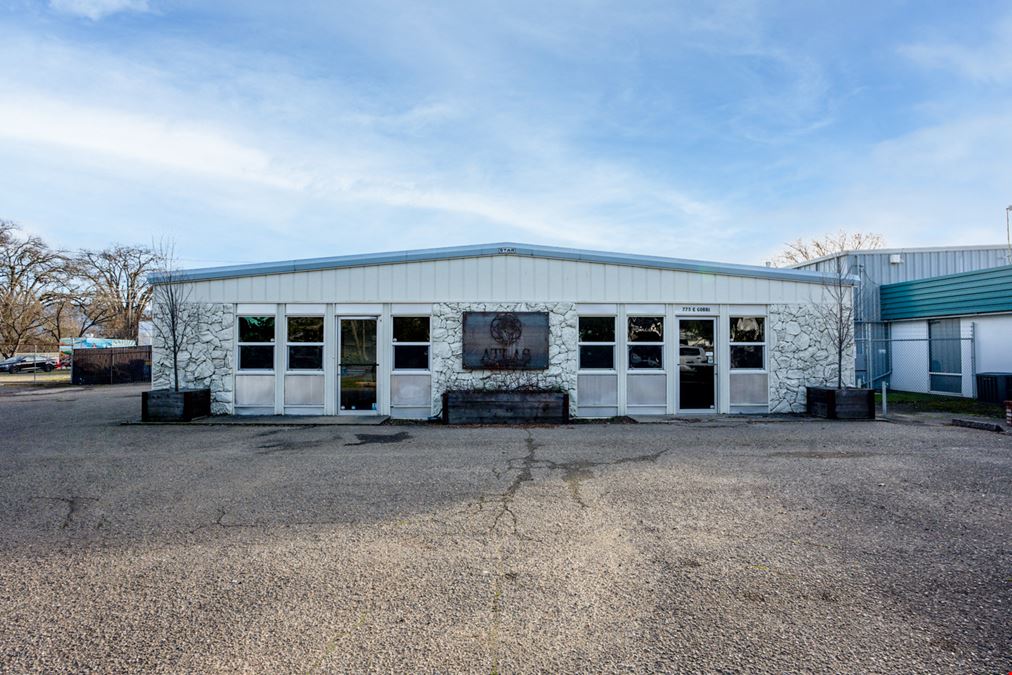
[166,405]
[499,407]
[847,403]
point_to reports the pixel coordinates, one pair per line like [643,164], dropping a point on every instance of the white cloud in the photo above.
[168,143]
[987,60]
[97,9]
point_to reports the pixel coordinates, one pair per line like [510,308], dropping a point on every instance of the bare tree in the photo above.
[800,250]
[837,315]
[115,293]
[30,275]
[176,320]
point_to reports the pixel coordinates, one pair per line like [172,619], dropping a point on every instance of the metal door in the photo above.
[697,364]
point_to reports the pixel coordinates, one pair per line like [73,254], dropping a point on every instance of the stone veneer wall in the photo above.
[801,354]
[207,362]
[448,372]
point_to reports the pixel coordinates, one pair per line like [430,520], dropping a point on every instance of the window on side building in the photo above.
[256,343]
[748,342]
[411,343]
[305,342]
[945,366]
[597,343]
[646,342]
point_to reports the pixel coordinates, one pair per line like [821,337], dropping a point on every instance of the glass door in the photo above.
[696,364]
[356,365]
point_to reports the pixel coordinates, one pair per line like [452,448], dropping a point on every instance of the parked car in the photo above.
[27,364]
[690,357]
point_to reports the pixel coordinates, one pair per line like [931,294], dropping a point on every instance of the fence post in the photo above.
[35,364]
[885,399]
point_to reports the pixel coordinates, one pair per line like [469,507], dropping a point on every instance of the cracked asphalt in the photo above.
[719,545]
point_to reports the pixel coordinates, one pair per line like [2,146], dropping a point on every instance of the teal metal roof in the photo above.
[978,292]
[505,248]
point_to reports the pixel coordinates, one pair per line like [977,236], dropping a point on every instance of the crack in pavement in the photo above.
[524,475]
[574,473]
[73,504]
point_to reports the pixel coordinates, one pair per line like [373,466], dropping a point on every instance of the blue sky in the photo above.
[252,131]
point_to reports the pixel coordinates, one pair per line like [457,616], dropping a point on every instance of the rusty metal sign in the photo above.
[506,340]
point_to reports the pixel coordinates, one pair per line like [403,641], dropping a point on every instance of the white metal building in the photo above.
[627,334]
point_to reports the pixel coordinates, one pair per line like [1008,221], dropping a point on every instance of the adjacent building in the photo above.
[876,268]
[388,333]
[945,330]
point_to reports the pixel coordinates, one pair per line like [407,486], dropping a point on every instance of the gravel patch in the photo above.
[724,546]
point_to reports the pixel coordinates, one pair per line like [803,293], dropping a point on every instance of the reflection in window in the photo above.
[646,333]
[646,357]
[411,343]
[256,329]
[305,342]
[646,329]
[748,342]
[597,329]
[256,343]
[748,329]
[597,342]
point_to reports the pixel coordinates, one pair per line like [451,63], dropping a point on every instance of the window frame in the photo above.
[731,344]
[322,345]
[941,323]
[239,344]
[581,343]
[629,344]
[395,343]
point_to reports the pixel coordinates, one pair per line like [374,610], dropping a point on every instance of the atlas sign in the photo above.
[506,340]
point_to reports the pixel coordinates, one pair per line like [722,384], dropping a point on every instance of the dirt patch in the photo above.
[368,439]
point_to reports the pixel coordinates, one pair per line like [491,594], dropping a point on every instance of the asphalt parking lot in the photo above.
[700,546]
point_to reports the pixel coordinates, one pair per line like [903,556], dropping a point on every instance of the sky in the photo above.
[249,131]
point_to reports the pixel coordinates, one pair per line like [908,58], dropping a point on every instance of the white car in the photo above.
[690,357]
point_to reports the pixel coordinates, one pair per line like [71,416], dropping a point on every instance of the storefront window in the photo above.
[305,343]
[748,342]
[646,338]
[597,342]
[256,343]
[411,343]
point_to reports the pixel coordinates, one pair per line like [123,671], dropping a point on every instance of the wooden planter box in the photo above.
[166,405]
[499,407]
[847,403]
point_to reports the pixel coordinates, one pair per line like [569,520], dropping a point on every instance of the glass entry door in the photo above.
[356,365]
[696,364]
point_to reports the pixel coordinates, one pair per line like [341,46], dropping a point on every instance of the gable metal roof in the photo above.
[488,250]
[977,292]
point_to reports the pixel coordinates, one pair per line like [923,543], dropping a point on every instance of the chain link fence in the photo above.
[941,360]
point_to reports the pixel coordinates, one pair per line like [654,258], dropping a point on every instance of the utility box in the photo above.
[994,387]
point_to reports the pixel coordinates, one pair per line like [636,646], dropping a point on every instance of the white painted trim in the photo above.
[280,359]
[411,309]
[746,310]
[363,310]
[598,310]
[296,309]
[248,309]
[645,310]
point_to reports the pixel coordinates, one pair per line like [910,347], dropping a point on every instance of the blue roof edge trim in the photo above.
[496,249]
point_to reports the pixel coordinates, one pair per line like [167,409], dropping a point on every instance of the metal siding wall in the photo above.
[504,278]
